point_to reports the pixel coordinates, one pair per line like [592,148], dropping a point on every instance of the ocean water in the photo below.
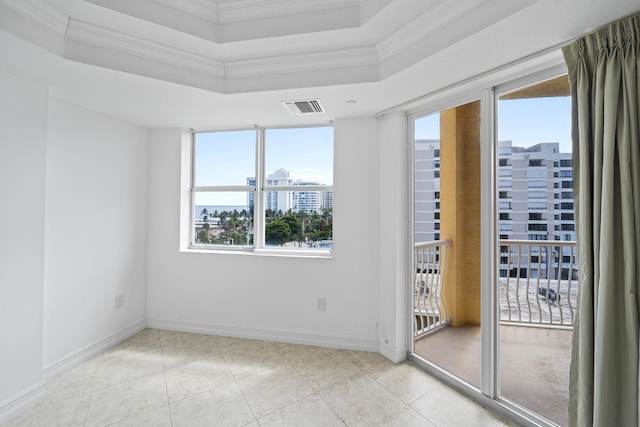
[212,208]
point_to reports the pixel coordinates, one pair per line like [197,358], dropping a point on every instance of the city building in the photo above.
[535,199]
[296,201]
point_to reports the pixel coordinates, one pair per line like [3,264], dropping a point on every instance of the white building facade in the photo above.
[535,199]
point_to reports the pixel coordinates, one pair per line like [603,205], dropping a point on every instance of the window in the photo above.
[537,227]
[535,216]
[567,184]
[566,216]
[537,206]
[566,205]
[537,195]
[535,162]
[566,163]
[503,162]
[288,206]
[537,237]
[504,216]
[536,184]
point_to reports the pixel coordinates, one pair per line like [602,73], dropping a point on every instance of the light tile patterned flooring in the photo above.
[163,378]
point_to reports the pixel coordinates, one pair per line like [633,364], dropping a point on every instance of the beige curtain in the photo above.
[605,81]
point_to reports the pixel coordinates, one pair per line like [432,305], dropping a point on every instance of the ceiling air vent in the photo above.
[307,106]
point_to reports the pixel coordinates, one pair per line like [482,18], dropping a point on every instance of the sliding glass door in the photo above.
[494,272]
[447,226]
[538,270]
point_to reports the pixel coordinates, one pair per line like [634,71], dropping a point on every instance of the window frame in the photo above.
[260,190]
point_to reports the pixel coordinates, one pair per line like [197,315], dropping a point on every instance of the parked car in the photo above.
[552,295]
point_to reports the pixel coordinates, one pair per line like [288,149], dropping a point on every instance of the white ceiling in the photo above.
[211,64]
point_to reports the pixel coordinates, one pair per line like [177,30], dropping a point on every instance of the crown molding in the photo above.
[95,35]
[230,11]
[204,9]
[40,12]
[325,60]
[444,13]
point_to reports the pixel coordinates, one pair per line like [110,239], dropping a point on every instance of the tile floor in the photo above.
[163,378]
[537,357]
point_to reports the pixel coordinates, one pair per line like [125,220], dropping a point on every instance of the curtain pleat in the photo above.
[605,82]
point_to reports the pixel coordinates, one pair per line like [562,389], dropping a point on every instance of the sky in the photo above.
[526,122]
[228,158]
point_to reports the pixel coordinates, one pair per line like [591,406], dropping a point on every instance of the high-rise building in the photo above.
[327,200]
[306,201]
[297,201]
[427,190]
[535,199]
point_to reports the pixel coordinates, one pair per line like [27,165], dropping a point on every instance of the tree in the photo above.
[203,235]
[295,225]
[277,232]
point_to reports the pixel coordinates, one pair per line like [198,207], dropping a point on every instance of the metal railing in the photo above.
[538,282]
[429,310]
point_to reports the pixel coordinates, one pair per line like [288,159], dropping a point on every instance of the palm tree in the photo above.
[204,215]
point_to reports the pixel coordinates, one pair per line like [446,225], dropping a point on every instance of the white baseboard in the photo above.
[394,355]
[292,337]
[93,349]
[16,404]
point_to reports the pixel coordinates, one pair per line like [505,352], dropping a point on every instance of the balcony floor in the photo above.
[534,364]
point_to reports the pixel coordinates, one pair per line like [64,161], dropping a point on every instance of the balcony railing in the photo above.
[538,282]
[429,260]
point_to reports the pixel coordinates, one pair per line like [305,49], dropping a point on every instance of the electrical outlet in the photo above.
[322,304]
[119,301]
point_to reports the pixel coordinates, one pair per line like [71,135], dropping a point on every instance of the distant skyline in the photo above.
[525,122]
[228,159]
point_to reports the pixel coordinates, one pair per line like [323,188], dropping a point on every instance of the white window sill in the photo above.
[260,252]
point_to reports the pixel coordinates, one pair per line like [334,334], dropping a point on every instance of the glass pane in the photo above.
[446,298]
[309,227]
[427,178]
[225,158]
[299,156]
[538,280]
[223,218]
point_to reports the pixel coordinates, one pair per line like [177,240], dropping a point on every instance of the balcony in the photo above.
[537,300]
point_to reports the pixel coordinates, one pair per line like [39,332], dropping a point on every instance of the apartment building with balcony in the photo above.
[535,201]
[297,201]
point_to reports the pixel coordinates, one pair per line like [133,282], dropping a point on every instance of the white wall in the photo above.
[265,296]
[23,126]
[394,220]
[96,230]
